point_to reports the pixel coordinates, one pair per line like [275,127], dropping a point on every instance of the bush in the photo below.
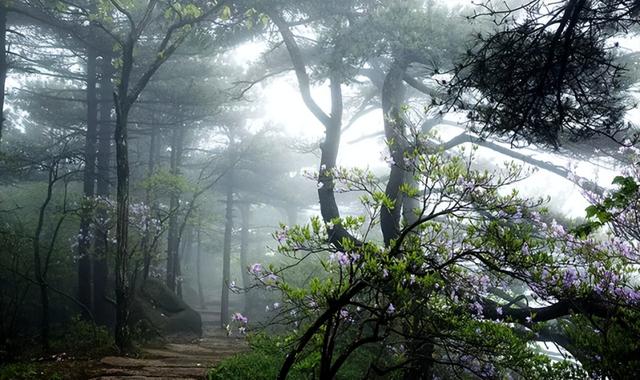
[261,363]
[267,354]
[83,339]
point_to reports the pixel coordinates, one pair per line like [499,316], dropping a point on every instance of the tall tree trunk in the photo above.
[392,98]
[198,265]
[146,240]
[103,311]
[85,263]
[123,283]
[173,235]
[245,214]
[332,123]
[185,236]
[3,62]
[226,254]
[39,270]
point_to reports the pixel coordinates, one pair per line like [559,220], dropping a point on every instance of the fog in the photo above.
[375,189]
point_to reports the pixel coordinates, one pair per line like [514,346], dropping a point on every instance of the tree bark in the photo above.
[333,128]
[245,214]
[86,260]
[226,256]
[39,271]
[198,264]
[173,235]
[123,286]
[146,240]
[123,283]
[3,62]
[103,311]
[393,93]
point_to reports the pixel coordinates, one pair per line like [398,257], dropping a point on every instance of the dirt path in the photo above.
[175,361]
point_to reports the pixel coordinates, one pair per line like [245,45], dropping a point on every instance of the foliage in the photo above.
[265,358]
[83,339]
[451,293]
[548,74]
[19,371]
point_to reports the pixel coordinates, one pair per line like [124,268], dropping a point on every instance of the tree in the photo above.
[446,285]
[3,61]
[178,24]
[547,75]
[389,201]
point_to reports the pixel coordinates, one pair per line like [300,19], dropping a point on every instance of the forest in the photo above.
[319,189]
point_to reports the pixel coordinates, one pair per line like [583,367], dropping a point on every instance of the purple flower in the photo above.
[343,258]
[270,278]
[255,268]
[239,318]
[570,277]
[557,229]
[477,308]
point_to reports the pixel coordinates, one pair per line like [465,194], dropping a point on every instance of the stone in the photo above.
[159,313]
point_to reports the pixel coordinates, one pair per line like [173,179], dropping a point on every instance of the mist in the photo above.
[344,189]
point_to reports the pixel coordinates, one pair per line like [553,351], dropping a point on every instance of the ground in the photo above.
[163,361]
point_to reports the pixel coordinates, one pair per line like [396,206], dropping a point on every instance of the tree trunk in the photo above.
[103,310]
[185,236]
[3,62]
[226,256]
[85,263]
[173,235]
[123,285]
[392,97]
[39,271]
[146,240]
[245,213]
[332,124]
[198,271]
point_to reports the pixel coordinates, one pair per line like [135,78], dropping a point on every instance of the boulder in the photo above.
[158,312]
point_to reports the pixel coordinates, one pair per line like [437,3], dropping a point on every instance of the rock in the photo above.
[158,312]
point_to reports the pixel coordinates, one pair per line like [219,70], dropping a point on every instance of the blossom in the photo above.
[239,318]
[281,236]
[477,308]
[255,268]
[343,258]
[557,229]
[570,277]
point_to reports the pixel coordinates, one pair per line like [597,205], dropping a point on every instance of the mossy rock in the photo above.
[157,312]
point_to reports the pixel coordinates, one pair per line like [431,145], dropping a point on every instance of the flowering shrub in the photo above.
[475,277]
